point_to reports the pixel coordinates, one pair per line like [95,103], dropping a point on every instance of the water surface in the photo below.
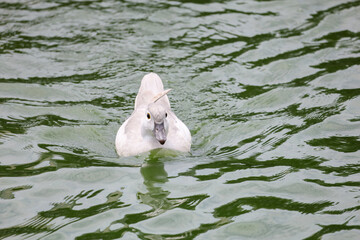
[269,89]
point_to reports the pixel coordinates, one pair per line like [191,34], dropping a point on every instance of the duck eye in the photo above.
[148,115]
[165,114]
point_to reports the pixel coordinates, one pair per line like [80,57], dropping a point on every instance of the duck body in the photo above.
[152,125]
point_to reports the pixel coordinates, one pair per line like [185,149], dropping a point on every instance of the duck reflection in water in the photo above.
[154,174]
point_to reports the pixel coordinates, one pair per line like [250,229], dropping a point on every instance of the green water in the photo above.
[269,89]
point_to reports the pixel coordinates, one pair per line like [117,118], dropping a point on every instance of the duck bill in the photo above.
[159,132]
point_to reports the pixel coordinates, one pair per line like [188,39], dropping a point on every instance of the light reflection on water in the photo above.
[269,90]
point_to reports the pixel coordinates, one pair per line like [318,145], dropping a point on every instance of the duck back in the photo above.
[151,85]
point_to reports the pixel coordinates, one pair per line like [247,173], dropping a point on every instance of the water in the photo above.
[269,89]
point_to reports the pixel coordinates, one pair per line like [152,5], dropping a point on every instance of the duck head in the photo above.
[156,122]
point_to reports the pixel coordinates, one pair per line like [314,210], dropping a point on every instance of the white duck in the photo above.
[152,125]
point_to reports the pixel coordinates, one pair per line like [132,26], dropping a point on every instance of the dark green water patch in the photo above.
[267,202]
[76,78]
[341,144]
